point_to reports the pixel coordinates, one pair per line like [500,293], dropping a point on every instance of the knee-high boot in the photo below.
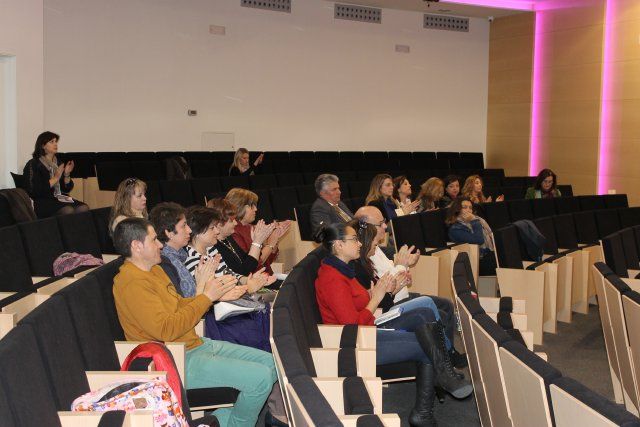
[431,339]
[422,413]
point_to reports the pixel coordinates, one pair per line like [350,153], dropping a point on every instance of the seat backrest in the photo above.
[85,304]
[614,254]
[79,234]
[104,277]
[463,280]
[565,231]
[14,267]
[434,232]
[407,230]
[203,168]
[527,378]
[615,201]
[111,173]
[229,182]
[306,194]
[24,379]
[303,218]
[42,243]
[590,203]
[149,170]
[6,217]
[586,227]
[607,222]
[492,378]
[265,210]
[101,222]
[290,179]
[629,217]
[283,202]
[576,405]
[178,192]
[630,248]
[496,214]
[200,187]
[359,188]
[566,205]
[154,195]
[543,208]
[508,247]
[566,190]
[545,225]
[520,209]
[55,335]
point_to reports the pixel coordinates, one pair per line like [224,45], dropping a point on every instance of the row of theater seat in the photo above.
[29,248]
[43,359]
[513,385]
[621,251]
[86,162]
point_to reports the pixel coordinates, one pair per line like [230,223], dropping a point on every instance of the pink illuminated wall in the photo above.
[605,101]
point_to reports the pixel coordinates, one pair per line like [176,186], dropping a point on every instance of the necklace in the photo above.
[230,247]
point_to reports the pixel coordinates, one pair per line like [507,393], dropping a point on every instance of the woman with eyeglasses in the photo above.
[546,186]
[245,203]
[48,180]
[343,301]
[130,201]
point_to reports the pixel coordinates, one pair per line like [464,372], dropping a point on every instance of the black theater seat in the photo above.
[586,227]
[79,234]
[590,203]
[110,174]
[203,168]
[14,268]
[203,186]
[290,179]
[283,201]
[262,182]
[229,182]
[520,209]
[178,192]
[565,205]
[543,208]
[42,243]
[306,194]
[303,216]
[407,230]
[607,221]
[265,210]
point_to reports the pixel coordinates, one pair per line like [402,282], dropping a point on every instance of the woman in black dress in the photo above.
[241,165]
[48,180]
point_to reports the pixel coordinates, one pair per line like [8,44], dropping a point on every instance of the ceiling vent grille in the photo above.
[276,5]
[444,22]
[349,12]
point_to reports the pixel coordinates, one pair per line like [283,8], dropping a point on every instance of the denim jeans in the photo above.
[398,346]
[421,307]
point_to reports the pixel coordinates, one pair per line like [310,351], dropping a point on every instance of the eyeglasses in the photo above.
[130,181]
[352,238]
[378,224]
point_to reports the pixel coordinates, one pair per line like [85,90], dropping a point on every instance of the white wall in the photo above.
[120,75]
[21,45]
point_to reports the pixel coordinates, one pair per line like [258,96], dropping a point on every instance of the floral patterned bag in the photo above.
[131,394]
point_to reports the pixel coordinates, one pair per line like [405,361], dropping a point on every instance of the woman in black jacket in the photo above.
[48,180]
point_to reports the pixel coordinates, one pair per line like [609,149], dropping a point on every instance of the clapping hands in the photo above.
[407,256]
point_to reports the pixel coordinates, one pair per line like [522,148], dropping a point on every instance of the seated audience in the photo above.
[237,260]
[130,201]
[328,208]
[431,192]
[245,203]
[465,227]
[546,186]
[343,301]
[48,180]
[150,309]
[405,258]
[401,194]
[473,191]
[381,196]
[241,166]
[451,190]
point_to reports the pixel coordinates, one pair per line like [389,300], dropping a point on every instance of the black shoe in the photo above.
[271,421]
[431,339]
[459,360]
[422,413]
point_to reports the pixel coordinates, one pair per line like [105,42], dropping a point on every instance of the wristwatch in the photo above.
[258,245]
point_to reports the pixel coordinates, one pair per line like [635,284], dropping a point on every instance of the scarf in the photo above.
[486,233]
[52,167]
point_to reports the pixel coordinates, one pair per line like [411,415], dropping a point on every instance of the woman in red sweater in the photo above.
[343,301]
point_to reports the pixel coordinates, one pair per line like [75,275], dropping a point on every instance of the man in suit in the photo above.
[328,208]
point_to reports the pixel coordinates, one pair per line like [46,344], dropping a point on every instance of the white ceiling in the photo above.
[441,8]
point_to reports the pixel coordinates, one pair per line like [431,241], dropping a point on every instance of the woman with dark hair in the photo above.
[48,180]
[343,301]
[401,195]
[241,165]
[451,190]
[465,227]
[546,186]
[366,275]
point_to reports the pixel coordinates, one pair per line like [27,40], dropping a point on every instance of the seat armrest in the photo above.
[178,351]
[138,418]
[107,258]
[99,379]
[492,305]
[325,361]
[634,284]
[332,390]
[331,334]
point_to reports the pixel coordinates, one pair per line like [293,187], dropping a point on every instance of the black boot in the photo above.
[422,413]
[431,339]
[457,359]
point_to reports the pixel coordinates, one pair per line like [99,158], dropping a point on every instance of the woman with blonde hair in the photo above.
[129,202]
[241,166]
[431,192]
[473,191]
[381,196]
[245,203]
